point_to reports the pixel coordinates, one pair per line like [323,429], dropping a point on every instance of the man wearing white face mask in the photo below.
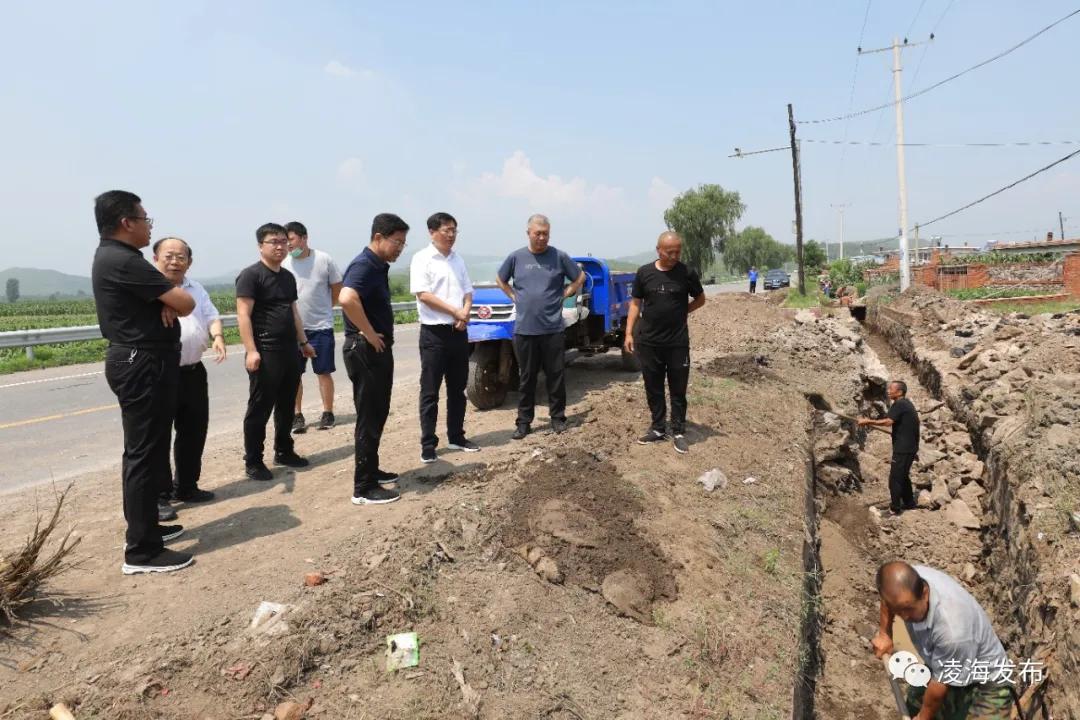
[318,282]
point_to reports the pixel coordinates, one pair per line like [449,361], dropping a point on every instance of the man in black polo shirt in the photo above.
[137,310]
[271,329]
[368,352]
[904,421]
[661,299]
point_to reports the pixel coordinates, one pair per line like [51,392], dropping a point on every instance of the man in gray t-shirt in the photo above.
[318,282]
[954,638]
[535,278]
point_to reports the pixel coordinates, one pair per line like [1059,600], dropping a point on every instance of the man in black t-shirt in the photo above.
[270,328]
[904,421]
[137,310]
[662,295]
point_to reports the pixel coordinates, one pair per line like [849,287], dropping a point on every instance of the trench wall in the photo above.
[1031,616]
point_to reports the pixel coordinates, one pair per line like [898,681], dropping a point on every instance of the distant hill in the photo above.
[37,283]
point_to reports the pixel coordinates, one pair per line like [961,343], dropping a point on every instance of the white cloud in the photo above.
[660,193]
[518,180]
[350,173]
[341,70]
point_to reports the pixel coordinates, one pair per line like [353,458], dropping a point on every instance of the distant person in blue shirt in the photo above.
[535,278]
[753,280]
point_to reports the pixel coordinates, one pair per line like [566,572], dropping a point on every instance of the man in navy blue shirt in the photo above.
[539,275]
[368,352]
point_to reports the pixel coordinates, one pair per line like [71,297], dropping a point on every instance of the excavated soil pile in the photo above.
[572,518]
[741,366]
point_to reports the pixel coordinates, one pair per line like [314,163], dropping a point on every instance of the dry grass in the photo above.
[23,573]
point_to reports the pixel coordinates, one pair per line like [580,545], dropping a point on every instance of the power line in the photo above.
[938,84]
[1032,143]
[1011,185]
[914,19]
[743,153]
[851,94]
[922,55]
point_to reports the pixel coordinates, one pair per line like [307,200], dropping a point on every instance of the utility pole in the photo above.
[915,253]
[905,259]
[798,199]
[840,207]
[1061,222]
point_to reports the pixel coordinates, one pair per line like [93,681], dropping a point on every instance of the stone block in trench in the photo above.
[939,494]
[959,514]
[970,494]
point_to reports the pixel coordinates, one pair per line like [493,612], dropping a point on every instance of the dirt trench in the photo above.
[985,516]
[1012,383]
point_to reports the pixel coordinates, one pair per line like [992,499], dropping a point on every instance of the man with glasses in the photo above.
[539,275]
[137,309]
[271,330]
[173,258]
[368,353]
[318,283]
[439,280]
[661,299]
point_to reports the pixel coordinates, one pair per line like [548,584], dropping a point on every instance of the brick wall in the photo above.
[1071,274]
[961,277]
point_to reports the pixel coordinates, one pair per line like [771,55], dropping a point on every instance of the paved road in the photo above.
[60,423]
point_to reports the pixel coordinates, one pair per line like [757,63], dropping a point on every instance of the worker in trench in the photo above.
[903,422]
[970,675]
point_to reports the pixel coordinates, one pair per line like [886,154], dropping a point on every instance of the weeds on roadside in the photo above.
[23,573]
[772,561]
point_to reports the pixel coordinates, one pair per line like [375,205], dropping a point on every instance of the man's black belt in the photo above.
[148,347]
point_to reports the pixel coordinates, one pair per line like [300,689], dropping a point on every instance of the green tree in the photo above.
[814,257]
[705,217]
[12,289]
[753,247]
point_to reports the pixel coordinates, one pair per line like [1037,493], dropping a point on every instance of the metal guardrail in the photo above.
[48,336]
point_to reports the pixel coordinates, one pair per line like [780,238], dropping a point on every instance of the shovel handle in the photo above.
[898,696]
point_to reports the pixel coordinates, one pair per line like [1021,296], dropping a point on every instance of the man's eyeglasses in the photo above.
[448,230]
[399,243]
[275,243]
[148,220]
[175,257]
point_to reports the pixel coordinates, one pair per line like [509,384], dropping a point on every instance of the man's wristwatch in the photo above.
[305,342]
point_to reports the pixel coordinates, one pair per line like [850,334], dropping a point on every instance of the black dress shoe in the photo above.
[290,459]
[258,471]
[195,496]
[520,432]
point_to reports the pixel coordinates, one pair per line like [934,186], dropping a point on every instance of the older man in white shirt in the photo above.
[440,281]
[173,258]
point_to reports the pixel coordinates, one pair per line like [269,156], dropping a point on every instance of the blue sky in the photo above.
[223,116]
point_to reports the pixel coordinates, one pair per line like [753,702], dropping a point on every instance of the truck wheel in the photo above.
[630,362]
[484,389]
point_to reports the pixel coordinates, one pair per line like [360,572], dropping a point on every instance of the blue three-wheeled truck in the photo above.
[594,322]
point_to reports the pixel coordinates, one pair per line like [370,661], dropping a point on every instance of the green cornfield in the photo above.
[42,314]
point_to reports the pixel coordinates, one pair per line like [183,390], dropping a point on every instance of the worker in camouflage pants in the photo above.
[973,702]
[952,635]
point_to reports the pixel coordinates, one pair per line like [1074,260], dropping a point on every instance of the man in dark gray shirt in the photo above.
[535,278]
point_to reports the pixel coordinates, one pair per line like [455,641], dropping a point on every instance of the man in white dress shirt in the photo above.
[173,258]
[438,278]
